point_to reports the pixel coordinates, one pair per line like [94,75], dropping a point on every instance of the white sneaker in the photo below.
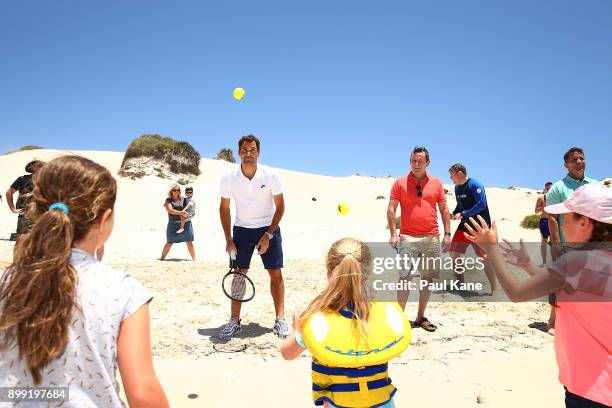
[232,327]
[281,329]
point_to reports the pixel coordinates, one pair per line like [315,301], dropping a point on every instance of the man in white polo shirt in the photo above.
[258,193]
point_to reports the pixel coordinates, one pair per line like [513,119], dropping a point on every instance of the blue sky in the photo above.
[333,87]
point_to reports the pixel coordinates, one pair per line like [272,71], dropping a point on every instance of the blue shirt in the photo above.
[471,202]
[561,190]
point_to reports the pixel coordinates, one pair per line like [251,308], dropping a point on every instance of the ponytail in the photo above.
[360,305]
[348,264]
[38,290]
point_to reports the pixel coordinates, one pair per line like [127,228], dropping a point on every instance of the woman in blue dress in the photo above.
[174,205]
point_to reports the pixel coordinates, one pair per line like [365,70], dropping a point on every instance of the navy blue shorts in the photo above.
[245,240]
[544,230]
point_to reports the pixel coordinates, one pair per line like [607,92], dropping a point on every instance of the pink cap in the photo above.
[591,200]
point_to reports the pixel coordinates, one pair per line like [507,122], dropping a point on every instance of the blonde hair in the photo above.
[38,290]
[172,187]
[349,263]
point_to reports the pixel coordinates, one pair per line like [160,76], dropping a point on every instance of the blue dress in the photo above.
[174,223]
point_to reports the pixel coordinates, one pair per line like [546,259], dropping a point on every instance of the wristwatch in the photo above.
[448,234]
[270,236]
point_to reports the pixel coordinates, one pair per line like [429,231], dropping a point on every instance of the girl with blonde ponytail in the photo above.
[67,320]
[348,333]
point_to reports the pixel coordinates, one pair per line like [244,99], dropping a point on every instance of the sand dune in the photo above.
[141,220]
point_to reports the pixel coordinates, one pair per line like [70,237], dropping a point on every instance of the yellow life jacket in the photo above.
[348,371]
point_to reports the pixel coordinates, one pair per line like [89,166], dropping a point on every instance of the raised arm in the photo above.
[537,285]
[290,348]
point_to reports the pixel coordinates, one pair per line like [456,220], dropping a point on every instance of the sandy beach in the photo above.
[483,353]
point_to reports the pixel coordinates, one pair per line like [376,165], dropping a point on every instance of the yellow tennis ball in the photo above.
[343,208]
[239,93]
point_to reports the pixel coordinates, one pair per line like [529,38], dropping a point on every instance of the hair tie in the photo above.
[349,253]
[59,206]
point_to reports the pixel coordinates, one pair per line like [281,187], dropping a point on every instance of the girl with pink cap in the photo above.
[582,282]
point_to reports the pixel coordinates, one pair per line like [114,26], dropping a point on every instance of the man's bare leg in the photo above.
[424,295]
[277,289]
[543,246]
[402,295]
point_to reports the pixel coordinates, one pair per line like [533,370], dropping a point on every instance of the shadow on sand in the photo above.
[250,330]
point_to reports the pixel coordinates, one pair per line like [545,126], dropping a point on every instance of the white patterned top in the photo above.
[89,364]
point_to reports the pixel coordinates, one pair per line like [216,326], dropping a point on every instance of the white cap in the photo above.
[592,200]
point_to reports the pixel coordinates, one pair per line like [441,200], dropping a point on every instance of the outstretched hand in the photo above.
[480,233]
[296,317]
[516,256]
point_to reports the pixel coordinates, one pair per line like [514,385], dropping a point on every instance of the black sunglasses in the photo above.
[176,190]
[419,191]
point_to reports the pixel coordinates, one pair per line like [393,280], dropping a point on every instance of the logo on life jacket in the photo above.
[352,352]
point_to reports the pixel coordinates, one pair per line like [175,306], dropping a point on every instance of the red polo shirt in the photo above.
[419,214]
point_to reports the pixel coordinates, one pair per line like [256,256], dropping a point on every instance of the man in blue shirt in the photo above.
[471,202]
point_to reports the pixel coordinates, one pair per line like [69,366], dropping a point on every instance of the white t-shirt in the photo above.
[89,363]
[191,205]
[254,198]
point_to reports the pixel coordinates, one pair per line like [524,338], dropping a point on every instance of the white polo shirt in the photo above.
[254,198]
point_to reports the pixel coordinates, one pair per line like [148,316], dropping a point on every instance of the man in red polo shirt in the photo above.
[418,195]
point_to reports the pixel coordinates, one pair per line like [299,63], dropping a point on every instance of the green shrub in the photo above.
[531,221]
[137,174]
[183,181]
[22,148]
[227,155]
[181,157]
[154,146]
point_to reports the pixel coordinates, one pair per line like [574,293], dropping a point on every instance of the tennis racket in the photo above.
[237,285]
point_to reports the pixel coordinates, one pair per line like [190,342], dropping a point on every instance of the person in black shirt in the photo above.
[24,186]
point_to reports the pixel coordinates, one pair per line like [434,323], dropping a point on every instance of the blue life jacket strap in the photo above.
[350,372]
